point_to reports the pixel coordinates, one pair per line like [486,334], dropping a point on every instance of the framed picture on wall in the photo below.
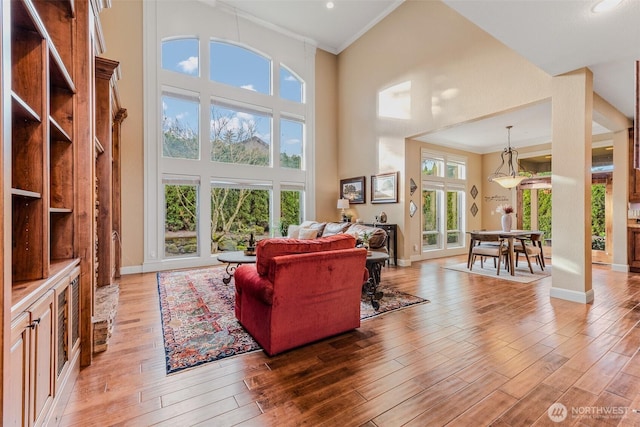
[353,189]
[384,187]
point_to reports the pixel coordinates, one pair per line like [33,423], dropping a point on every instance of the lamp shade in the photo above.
[343,203]
[508,181]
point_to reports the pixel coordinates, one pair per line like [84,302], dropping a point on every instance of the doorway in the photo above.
[534,201]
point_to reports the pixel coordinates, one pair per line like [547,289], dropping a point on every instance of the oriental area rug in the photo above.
[199,324]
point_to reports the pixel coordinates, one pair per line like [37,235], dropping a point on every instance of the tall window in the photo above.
[240,136]
[237,211]
[180,126]
[291,143]
[229,137]
[181,216]
[443,201]
[431,208]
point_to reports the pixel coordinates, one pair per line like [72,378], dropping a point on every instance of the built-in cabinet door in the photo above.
[633,242]
[42,360]
[18,393]
[31,365]
[634,174]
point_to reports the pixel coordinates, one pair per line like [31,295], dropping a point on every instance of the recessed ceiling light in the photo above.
[605,5]
[330,5]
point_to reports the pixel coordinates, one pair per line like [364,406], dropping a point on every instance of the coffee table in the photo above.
[233,260]
[374,264]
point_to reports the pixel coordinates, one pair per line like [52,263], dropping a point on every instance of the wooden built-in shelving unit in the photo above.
[51,104]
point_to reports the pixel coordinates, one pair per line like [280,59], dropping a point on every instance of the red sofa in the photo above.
[300,291]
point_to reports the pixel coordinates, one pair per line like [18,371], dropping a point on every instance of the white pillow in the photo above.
[293,230]
[307,233]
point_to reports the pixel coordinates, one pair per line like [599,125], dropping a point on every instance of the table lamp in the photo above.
[343,204]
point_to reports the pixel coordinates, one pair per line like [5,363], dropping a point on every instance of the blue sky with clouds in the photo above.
[237,67]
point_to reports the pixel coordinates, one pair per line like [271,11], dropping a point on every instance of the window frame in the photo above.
[444,185]
[280,48]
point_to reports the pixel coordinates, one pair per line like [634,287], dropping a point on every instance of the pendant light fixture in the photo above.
[508,179]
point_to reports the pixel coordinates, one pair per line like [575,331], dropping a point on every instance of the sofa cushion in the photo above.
[315,225]
[307,233]
[319,226]
[267,249]
[332,228]
[293,231]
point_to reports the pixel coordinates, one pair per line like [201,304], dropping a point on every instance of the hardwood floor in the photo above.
[483,351]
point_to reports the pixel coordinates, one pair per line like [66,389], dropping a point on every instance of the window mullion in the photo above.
[185,73]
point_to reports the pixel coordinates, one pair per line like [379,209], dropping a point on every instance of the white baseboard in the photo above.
[573,296]
[132,269]
[620,267]
[171,264]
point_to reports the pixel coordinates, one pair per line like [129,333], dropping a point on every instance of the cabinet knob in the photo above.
[33,324]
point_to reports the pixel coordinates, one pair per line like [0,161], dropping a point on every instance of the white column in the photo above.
[572,106]
[620,196]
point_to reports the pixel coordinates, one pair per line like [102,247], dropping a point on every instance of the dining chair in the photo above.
[489,245]
[531,247]
[473,242]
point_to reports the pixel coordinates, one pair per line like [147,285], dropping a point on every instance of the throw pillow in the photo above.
[307,234]
[293,231]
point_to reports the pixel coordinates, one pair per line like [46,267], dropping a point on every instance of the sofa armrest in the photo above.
[247,280]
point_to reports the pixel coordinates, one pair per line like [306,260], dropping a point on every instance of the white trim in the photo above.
[171,264]
[131,269]
[251,18]
[369,26]
[407,263]
[298,57]
[150,107]
[573,296]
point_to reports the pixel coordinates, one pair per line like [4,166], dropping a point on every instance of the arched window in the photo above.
[181,55]
[291,86]
[239,67]
[228,140]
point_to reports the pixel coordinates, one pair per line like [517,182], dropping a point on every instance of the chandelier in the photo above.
[509,178]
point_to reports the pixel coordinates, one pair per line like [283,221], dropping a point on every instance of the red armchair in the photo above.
[300,291]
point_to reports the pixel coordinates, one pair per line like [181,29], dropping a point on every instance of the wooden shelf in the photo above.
[56,131]
[60,77]
[60,210]
[99,147]
[21,110]
[26,194]
[25,292]
[25,17]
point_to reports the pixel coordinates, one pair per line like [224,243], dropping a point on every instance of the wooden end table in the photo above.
[375,262]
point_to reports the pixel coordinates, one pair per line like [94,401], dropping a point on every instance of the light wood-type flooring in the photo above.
[484,351]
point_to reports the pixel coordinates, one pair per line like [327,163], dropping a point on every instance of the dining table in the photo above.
[510,236]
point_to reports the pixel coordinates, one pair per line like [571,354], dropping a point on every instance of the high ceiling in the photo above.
[556,35]
[332,30]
